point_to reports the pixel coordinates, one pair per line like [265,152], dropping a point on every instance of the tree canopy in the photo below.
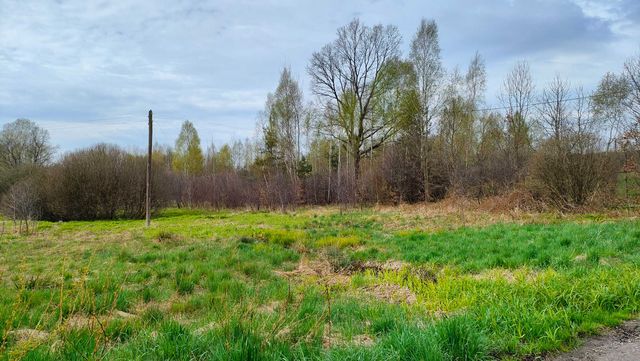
[22,142]
[188,158]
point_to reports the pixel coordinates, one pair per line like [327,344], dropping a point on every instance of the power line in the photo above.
[536,104]
[84,125]
[133,121]
[89,122]
[584,97]
[208,123]
[108,118]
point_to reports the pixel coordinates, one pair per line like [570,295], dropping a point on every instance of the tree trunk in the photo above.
[424,158]
[356,174]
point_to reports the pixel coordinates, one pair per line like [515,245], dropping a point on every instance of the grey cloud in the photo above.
[525,27]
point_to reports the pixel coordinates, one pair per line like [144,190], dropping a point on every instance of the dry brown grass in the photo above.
[319,270]
[455,212]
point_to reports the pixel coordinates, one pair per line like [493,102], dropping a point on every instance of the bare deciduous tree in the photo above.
[455,133]
[632,74]
[283,128]
[476,80]
[516,96]
[631,137]
[349,75]
[21,204]
[554,109]
[608,107]
[22,142]
[517,90]
[425,56]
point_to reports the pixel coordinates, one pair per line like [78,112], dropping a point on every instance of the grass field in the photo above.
[317,284]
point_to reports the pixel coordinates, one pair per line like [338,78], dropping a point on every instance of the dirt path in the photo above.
[621,344]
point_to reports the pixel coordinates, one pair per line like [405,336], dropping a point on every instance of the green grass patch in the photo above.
[339,241]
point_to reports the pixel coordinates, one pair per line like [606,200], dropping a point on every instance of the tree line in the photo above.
[378,127]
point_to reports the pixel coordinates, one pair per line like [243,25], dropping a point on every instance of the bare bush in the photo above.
[226,190]
[570,179]
[22,205]
[102,182]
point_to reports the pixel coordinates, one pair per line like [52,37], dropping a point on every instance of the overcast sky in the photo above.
[90,70]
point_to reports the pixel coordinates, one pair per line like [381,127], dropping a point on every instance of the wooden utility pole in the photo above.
[148,196]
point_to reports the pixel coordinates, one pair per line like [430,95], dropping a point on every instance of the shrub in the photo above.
[570,179]
[102,182]
[22,203]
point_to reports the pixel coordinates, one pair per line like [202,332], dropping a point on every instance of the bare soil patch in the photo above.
[28,334]
[620,344]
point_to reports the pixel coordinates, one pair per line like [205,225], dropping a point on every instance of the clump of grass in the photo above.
[460,339]
[281,237]
[80,344]
[339,241]
[175,342]
[191,305]
[148,294]
[593,256]
[247,240]
[185,281]
[152,315]
[338,258]
[410,343]
[384,325]
[451,339]
[33,282]
[126,256]
[223,283]
[120,330]
[242,343]
[166,236]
